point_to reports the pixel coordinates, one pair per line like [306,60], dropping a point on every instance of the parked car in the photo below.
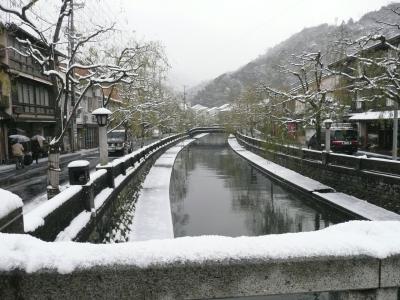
[344,138]
[119,142]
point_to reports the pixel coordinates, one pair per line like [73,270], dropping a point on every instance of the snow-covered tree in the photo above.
[68,74]
[310,101]
[372,69]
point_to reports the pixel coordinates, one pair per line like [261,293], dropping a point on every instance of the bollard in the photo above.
[78,172]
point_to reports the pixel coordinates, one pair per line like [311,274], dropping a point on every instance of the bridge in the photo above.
[363,262]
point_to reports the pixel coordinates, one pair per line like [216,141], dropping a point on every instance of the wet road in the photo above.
[30,182]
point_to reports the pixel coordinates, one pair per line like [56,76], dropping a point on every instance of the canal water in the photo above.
[213,191]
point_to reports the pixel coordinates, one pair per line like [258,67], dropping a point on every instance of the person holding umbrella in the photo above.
[18,152]
[37,143]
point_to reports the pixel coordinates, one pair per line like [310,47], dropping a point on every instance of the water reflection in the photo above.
[214,191]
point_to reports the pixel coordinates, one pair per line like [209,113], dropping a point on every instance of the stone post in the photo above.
[53,178]
[395,131]
[103,145]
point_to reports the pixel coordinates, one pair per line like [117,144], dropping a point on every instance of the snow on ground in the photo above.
[35,217]
[9,202]
[79,222]
[349,203]
[377,239]
[35,202]
[305,183]
[153,219]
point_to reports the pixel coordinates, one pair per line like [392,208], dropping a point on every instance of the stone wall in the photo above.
[351,277]
[62,209]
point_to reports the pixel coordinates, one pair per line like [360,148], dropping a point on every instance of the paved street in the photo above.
[30,182]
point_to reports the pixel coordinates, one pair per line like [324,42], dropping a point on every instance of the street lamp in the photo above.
[328,124]
[101,117]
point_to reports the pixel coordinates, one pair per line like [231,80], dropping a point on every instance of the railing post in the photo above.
[358,163]
[110,175]
[88,196]
[325,158]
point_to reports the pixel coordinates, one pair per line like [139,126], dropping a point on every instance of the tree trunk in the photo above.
[318,129]
[395,131]
[53,171]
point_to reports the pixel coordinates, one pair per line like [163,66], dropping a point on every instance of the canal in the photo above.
[213,191]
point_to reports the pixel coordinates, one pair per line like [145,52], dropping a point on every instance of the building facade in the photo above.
[27,103]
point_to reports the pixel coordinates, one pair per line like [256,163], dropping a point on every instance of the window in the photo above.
[32,96]
[389,102]
[25,93]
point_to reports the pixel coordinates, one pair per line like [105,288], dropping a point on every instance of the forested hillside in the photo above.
[226,87]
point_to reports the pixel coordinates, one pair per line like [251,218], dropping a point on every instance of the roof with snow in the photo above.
[373,115]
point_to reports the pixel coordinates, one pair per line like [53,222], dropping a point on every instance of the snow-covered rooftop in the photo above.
[199,107]
[373,115]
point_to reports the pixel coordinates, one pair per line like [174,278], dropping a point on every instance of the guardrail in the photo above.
[375,165]
[51,217]
[173,269]
[373,179]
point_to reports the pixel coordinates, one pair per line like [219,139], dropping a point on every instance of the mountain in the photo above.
[227,87]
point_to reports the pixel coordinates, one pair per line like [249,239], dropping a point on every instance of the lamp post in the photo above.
[328,123]
[101,117]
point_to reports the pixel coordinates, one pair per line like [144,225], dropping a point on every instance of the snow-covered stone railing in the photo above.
[353,260]
[384,167]
[373,179]
[10,212]
[78,206]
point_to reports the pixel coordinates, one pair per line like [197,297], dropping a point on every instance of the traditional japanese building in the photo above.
[26,103]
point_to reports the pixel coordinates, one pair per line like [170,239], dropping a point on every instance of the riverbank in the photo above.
[152,219]
[314,189]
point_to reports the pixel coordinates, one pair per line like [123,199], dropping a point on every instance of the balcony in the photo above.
[31,109]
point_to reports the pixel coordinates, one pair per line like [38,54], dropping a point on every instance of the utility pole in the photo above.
[395,130]
[184,97]
[71,39]
[184,107]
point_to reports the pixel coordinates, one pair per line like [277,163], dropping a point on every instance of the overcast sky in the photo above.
[205,38]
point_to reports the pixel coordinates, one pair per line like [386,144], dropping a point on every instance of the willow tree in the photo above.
[68,73]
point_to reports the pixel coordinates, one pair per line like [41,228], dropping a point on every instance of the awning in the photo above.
[373,115]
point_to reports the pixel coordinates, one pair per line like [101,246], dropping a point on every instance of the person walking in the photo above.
[18,152]
[36,150]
